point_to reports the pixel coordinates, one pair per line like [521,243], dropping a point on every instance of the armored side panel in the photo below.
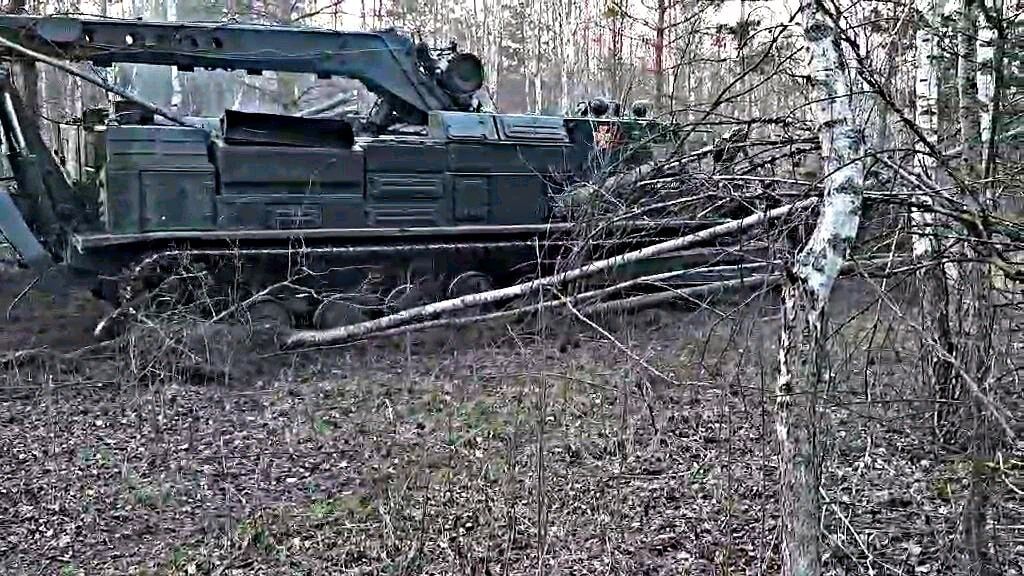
[500,166]
[406,184]
[278,170]
[240,127]
[289,188]
[530,128]
[399,156]
[157,146]
[404,200]
[157,178]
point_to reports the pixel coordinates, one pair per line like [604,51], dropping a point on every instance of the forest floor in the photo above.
[482,453]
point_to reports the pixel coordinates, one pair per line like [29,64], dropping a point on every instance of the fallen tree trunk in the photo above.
[767,280]
[342,334]
[549,304]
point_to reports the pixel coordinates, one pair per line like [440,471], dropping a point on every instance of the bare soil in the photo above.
[33,319]
[482,453]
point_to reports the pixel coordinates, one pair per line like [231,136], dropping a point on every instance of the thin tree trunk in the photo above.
[926,115]
[978,311]
[987,65]
[802,353]
[93,96]
[933,280]
[659,56]
[967,87]
[176,83]
[538,69]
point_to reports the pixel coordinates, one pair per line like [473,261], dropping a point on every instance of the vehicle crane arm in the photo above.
[409,81]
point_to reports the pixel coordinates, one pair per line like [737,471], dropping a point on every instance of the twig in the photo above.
[685,293]
[618,344]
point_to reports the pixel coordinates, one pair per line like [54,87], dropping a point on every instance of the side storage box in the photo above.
[516,158]
[401,158]
[121,201]
[159,199]
[289,212]
[130,146]
[157,178]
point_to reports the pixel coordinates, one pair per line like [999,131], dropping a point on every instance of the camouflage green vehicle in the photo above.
[430,195]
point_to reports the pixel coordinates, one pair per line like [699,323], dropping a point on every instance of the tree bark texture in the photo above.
[926,116]
[659,55]
[27,70]
[989,55]
[967,87]
[933,278]
[980,87]
[803,368]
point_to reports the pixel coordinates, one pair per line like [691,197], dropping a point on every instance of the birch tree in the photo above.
[933,280]
[989,52]
[802,351]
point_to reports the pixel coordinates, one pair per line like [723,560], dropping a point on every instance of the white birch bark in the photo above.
[841,145]
[538,56]
[934,278]
[968,86]
[926,117]
[802,347]
[986,77]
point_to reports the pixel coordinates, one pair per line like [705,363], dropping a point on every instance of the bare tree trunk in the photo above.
[659,56]
[986,81]
[978,311]
[967,86]
[93,96]
[933,279]
[975,337]
[538,57]
[171,7]
[802,351]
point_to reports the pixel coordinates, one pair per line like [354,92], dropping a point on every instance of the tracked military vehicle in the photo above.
[429,195]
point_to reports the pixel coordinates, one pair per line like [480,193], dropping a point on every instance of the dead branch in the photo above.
[645,300]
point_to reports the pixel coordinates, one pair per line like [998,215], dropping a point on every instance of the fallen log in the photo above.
[342,334]
[451,322]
